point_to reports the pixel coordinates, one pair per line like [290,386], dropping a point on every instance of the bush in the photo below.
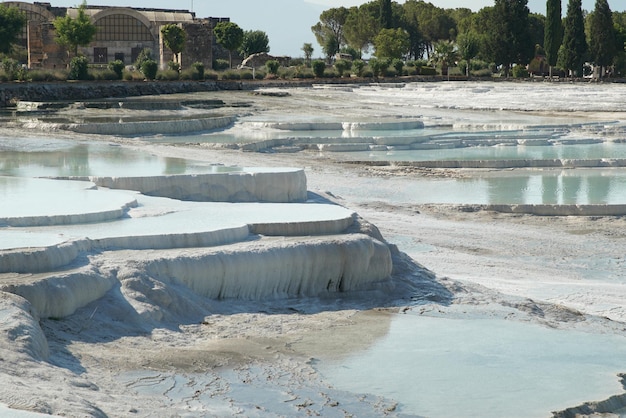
[189,74]
[398,65]
[519,71]
[149,69]
[428,71]
[358,66]
[221,65]
[174,66]
[133,75]
[272,66]
[168,75]
[117,67]
[10,68]
[198,67]
[246,75]
[303,72]
[79,68]
[319,67]
[144,55]
[104,75]
[330,73]
[231,75]
[376,66]
[211,75]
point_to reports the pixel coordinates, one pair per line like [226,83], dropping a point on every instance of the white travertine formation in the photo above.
[246,186]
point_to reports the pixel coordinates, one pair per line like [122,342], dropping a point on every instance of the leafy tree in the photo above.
[602,35]
[307,48]
[12,21]
[254,42]
[411,23]
[445,55]
[386,14]
[574,47]
[329,30]
[391,43]
[509,38]
[360,29]
[72,33]
[174,38]
[468,47]
[230,36]
[553,35]
[434,22]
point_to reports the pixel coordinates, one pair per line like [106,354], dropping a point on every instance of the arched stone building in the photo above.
[122,32]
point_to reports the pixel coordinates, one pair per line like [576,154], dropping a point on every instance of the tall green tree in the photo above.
[468,45]
[360,29]
[329,31]
[230,36]
[391,43]
[254,42]
[574,47]
[72,33]
[386,14]
[308,49]
[509,41]
[12,21]
[553,35]
[411,23]
[174,38]
[602,35]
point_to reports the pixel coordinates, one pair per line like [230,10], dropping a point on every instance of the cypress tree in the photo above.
[386,14]
[574,45]
[553,36]
[602,35]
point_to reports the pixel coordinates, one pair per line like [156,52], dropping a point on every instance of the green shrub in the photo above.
[211,75]
[144,55]
[330,73]
[246,75]
[79,68]
[10,68]
[390,72]
[198,67]
[398,65]
[117,67]
[174,66]
[342,66]
[189,74]
[272,66]
[104,75]
[358,67]
[428,71]
[231,75]
[303,72]
[149,69]
[221,65]
[3,77]
[377,66]
[133,75]
[319,67]
[519,71]
[168,75]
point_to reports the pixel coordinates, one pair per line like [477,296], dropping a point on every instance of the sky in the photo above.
[288,23]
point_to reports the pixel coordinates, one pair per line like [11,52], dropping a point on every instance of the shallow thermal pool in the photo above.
[441,367]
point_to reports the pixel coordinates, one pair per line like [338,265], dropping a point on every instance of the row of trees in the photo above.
[506,33]
[73,33]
